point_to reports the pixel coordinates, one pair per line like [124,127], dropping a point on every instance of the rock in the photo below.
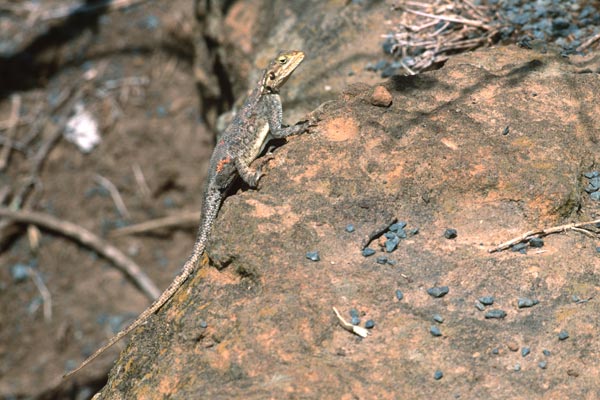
[437,158]
[381,97]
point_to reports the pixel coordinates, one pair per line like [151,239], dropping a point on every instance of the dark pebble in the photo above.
[369,324]
[525,351]
[495,351]
[438,318]
[563,335]
[19,272]
[437,375]
[390,235]
[495,314]
[401,233]
[414,231]
[435,331]
[598,249]
[450,233]
[355,320]
[519,247]
[479,306]
[399,294]
[367,251]
[438,291]
[592,174]
[546,352]
[350,228]
[505,131]
[397,226]
[313,255]
[391,244]
[354,313]
[382,260]
[543,364]
[486,300]
[536,242]
[525,302]
[203,324]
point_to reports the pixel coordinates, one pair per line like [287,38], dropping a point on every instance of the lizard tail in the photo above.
[187,270]
[211,205]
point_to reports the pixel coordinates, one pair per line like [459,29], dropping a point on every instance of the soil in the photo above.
[156,127]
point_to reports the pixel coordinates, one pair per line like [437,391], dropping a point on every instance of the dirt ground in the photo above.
[154,127]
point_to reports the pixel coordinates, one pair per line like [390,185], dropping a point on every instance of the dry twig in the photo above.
[357,330]
[115,195]
[545,232]
[13,121]
[44,292]
[160,223]
[88,239]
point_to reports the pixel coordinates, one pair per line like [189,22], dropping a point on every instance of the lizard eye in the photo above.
[282,60]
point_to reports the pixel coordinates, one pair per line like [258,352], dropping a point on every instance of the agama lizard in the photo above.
[259,120]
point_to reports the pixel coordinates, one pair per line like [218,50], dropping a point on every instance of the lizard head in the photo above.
[281,68]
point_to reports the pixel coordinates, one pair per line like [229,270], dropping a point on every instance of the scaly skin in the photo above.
[258,121]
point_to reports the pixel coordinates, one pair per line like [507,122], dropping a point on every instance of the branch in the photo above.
[88,239]
[543,232]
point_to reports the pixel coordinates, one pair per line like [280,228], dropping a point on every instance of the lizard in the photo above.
[258,121]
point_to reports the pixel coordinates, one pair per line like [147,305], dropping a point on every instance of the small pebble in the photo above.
[438,318]
[536,242]
[437,375]
[450,233]
[598,249]
[203,324]
[313,255]
[355,320]
[563,335]
[367,251]
[595,196]
[517,367]
[486,300]
[382,260]
[391,244]
[525,351]
[399,294]
[350,228]
[438,291]
[506,130]
[525,302]
[414,231]
[592,174]
[543,364]
[546,352]
[519,247]
[19,272]
[512,346]
[354,313]
[435,331]
[479,305]
[381,97]
[369,324]
[390,235]
[495,314]
[495,351]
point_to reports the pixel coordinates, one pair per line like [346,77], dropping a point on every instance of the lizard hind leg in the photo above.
[248,174]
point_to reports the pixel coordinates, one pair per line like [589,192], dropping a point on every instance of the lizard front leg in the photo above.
[275,117]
